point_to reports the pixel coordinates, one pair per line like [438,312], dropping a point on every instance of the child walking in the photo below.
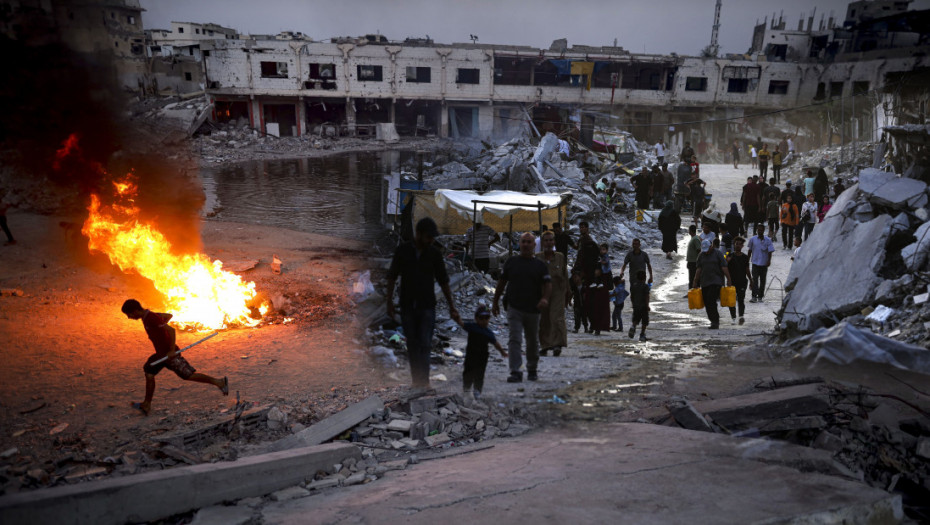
[604,261]
[639,299]
[476,351]
[618,295]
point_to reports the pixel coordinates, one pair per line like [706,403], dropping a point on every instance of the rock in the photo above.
[250,502]
[8,453]
[277,419]
[58,429]
[688,417]
[222,515]
[827,441]
[915,255]
[923,448]
[355,479]
[815,291]
[844,344]
[437,439]
[400,425]
[325,483]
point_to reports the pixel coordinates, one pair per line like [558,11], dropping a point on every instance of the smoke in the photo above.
[52,95]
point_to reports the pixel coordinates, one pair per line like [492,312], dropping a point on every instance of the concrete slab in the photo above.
[330,427]
[220,515]
[606,473]
[816,290]
[154,495]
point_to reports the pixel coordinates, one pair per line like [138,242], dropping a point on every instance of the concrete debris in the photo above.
[330,427]
[844,344]
[222,515]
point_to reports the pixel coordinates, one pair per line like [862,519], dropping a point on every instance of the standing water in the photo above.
[342,195]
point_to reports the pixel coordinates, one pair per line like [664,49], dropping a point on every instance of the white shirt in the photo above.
[753,151]
[790,145]
[660,150]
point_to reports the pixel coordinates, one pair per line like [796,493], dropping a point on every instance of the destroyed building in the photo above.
[484,91]
[107,34]
[173,55]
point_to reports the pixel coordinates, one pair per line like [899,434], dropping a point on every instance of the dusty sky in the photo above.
[651,26]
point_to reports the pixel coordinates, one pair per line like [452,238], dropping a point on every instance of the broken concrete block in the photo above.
[923,448]
[222,515]
[844,343]
[330,427]
[289,493]
[792,423]
[921,298]
[827,441]
[749,409]
[816,291]
[324,483]
[412,443]
[8,453]
[688,417]
[355,479]
[437,439]
[400,425]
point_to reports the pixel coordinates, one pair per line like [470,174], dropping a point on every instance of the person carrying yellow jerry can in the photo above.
[712,274]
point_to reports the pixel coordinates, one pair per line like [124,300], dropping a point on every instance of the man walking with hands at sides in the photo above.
[419,266]
[163,339]
[529,286]
[637,260]
[760,257]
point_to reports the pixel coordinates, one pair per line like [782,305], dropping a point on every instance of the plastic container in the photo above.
[728,296]
[695,299]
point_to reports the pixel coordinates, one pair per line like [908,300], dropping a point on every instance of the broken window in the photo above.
[131,20]
[778,87]
[206,52]
[210,32]
[836,89]
[369,73]
[180,30]
[322,76]
[513,71]
[187,76]
[738,85]
[418,74]
[777,52]
[467,76]
[821,91]
[860,88]
[696,84]
[137,49]
[274,69]
[197,31]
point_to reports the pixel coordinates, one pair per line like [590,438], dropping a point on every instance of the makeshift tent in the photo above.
[455,211]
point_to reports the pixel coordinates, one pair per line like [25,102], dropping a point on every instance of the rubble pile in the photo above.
[873,437]
[878,228]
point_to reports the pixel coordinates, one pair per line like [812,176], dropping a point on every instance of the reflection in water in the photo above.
[340,195]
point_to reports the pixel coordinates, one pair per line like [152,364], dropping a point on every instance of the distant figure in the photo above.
[617,296]
[764,157]
[735,152]
[660,151]
[738,264]
[163,339]
[478,240]
[776,164]
[789,220]
[562,240]
[597,301]
[824,208]
[711,275]
[694,250]
[637,260]
[669,224]
[687,152]
[553,333]
[578,306]
[760,256]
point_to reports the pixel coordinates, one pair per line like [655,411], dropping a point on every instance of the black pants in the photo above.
[476,362]
[483,264]
[418,328]
[711,296]
[808,228]
[6,229]
[773,226]
[758,280]
[763,168]
[776,172]
[580,319]
[787,236]
[740,300]
[692,268]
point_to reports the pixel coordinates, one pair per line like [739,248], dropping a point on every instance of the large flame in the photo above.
[200,294]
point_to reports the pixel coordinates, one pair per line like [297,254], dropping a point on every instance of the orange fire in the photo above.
[200,294]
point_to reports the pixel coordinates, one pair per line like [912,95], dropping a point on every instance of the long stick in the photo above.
[186,347]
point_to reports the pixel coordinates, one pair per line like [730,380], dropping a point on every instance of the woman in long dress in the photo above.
[669,224]
[553,333]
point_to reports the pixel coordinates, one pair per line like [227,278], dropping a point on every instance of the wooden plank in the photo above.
[330,427]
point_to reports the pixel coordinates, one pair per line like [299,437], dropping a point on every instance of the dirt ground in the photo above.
[71,356]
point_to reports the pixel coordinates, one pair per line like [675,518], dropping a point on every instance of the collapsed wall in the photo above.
[865,252]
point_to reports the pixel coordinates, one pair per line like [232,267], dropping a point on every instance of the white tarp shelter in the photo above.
[455,211]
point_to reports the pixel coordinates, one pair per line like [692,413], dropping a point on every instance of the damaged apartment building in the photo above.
[347,85]
[174,58]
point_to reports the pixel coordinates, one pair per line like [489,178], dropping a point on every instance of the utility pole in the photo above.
[714,48]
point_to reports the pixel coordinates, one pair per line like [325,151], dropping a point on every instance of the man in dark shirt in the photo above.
[639,300]
[637,260]
[163,339]
[738,265]
[588,254]
[642,183]
[686,153]
[711,270]
[562,240]
[419,265]
[528,285]
[752,202]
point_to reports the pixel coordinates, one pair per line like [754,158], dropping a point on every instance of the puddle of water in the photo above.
[342,195]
